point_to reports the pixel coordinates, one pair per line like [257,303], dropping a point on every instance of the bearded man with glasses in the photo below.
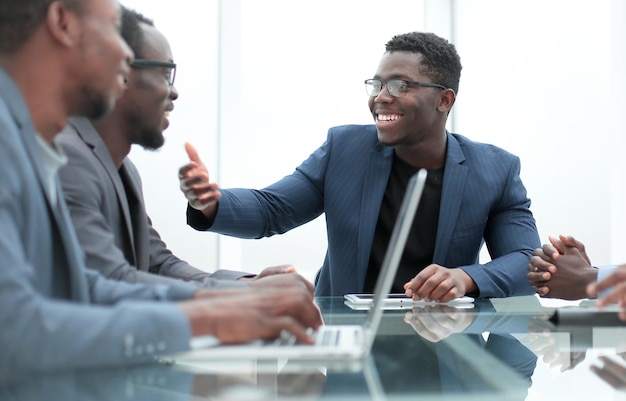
[102,186]
[474,194]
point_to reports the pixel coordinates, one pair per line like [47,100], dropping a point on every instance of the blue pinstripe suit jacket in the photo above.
[483,200]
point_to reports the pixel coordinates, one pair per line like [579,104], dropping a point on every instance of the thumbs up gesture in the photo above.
[194,183]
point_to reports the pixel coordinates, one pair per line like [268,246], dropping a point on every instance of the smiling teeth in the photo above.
[166,114]
[386,117]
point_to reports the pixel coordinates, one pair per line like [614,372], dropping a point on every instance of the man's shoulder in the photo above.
[363,129]
[73,133]
[362,134]
[473,147]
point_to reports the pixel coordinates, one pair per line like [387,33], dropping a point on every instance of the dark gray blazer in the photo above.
[54,313]
[110,217]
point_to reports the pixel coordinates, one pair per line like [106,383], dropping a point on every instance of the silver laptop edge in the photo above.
[394,252]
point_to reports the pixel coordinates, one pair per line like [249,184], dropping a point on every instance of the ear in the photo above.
[62,24]
[447,98]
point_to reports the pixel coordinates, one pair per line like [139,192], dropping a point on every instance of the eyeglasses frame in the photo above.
[147,63]
[383,83]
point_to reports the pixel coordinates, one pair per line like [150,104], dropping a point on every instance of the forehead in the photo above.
[103,8]
[400,64]
[155,46]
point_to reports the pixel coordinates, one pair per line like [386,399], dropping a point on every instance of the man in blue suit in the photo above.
[474,193]
[60,58]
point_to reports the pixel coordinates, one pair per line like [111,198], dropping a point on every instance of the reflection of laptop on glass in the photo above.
[333,341]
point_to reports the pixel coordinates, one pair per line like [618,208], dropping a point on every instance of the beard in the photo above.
[94,105]
[149,139]
[146,134]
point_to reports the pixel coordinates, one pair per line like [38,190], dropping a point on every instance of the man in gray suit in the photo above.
[60,58]
[102,187]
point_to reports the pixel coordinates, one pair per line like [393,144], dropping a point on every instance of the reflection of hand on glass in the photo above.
[436,322]
[542,343]
[612,372]
[301,385]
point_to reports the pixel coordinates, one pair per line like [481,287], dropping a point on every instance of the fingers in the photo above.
[297,303]
[554,248]
[274,281]
[542,291]
[413,288]
[568,240]
[192,153]
[612,372]
[272,270]
[236,317]
[435,283]
[537,263]
[616,279]
[290,325]
[539,274]
[200,193]
[437,322]
[618,295]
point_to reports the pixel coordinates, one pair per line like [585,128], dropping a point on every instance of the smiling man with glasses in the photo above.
[357,178]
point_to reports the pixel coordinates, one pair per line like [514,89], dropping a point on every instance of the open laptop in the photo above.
[333,342]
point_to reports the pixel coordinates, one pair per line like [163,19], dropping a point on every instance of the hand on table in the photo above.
[439,284]
[242,315]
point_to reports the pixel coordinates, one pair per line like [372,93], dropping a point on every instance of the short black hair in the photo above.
[440,61]
[20,18]
[132,31]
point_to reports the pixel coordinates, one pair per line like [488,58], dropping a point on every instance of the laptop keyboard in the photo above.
[324,337]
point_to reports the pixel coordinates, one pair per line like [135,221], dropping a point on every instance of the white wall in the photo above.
[541,79]
[537,81]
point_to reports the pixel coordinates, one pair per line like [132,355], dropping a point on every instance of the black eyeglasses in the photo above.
[395,87]
[145,63]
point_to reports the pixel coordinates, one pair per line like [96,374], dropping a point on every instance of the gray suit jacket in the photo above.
[109,215]
[54,313]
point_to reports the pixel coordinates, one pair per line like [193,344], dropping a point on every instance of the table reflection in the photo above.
[493,351]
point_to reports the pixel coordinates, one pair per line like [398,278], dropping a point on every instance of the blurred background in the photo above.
[261,82]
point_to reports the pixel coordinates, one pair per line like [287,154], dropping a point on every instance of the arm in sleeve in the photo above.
[164,263]
[604,272]
[40,333]
[288,203]
[101,242]
[510,236]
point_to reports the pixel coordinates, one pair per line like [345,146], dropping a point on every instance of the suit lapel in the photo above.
[375,181]
[90,136]
[59,216]
[454,178]
[137,208]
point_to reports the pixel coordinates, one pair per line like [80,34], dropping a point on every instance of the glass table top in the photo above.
[498,349]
